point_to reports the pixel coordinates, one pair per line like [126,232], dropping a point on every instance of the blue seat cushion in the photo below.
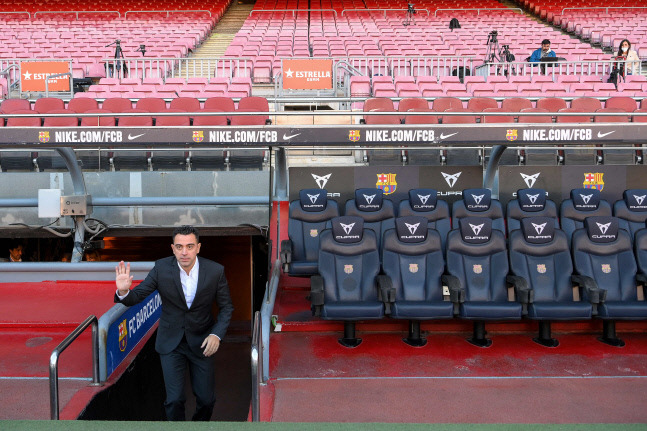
[559,310]
[352,310]
[303,268]
[630,310]
[490,310]
[422,310]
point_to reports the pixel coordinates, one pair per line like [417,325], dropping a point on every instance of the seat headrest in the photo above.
[476,230]
[347,229]
[636,199]
[602,229]
[538,230]
[585,199]
[423,199]
[411,228]
[532,199]
[369,199]
[477,199]
[313,200]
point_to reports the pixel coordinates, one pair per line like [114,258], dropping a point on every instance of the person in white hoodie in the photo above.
[630,56]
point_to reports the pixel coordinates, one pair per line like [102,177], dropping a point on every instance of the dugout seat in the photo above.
[478,203]
[530,203]
[604,258]
[477,266]
[540,263]
[309,216]
[425,203]
[582,204]
[348,286]
[378,213]
[631,210]
[412,259]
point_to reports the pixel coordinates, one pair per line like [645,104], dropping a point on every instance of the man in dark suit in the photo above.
[187,334]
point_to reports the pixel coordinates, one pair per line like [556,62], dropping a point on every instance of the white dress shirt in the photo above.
[189,282]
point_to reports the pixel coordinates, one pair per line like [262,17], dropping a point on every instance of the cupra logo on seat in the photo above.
[539,228]
[369,198]
[603,227]
[451,178]
[586,199]
[347,227]
[321,181]
[412,227]
[639,199]
[476,228]
[477,199]
[533,198]
[530,179]
[313,198]
[425,198]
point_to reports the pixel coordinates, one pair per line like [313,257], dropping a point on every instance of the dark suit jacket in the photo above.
[197,322]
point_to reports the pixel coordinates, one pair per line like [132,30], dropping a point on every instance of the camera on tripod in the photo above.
[410,9]
[492,37]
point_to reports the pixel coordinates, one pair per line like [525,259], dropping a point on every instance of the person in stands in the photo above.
[16,250]
[542,52]
[92,256]
[630,56]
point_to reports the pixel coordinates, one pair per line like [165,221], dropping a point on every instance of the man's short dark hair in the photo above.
[545,42]
[14,244]
[186,230]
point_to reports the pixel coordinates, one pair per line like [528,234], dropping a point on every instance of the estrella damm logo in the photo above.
[594,180]
[387,183]
[198,136]
[354,135]
[43,136]
[511,135]
[123,335]
[348,269]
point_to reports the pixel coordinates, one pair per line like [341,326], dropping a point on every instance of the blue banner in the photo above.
[127,331]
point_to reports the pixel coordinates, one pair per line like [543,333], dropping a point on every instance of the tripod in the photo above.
[410,18]
[119,67]
[493,52]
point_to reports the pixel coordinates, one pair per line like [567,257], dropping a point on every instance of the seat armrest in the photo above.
[591,291]
[286,255]
[641,278]
[316,294]
[385,292]
[456,291]
[522,291]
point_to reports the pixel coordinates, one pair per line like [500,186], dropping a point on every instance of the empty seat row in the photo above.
[480,277]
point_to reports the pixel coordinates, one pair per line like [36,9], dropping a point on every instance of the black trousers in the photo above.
[201,370]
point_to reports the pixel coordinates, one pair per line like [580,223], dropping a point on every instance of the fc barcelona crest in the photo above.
[387,183]
[594,180]
[606,268]
[541,268]
[43,136]
[123,335]
[353,135]
[198,136]
[313,233]
[477,269]
[511,135]
[348,269]
[413,268]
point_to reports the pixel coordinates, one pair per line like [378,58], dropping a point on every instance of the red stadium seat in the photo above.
[97,121]
[48,104]
[459,119]
[9,106]
[573,118]
[23,122]
[551,104]
[611,118]
[478,104]
[535,118]
[170,121]
[586,104]
[210,120]
[626,104]
[151,104]
[143,121]
[82,105]
[496,118]
[117,104]
[61,121]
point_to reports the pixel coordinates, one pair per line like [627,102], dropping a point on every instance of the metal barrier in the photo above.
[167,12]
[294,11]
[12,79]
[550,68]
[170,67]
[18,12]
[58,75]
[603,7]
[53,361]
[257,367]
[266,318]
[479,9]
[382,10]
[76,12]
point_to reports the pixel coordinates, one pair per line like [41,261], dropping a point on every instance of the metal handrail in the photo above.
[294,10]
[18,12]
[53,361]
[383,10]
[165,11]
[479,9]
[603,7]
[58,75]
[10,84]
[77,12]
[266,316]
[257,367]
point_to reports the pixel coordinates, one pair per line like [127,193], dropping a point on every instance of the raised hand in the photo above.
[123,278]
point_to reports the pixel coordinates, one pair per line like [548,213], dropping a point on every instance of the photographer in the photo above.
[542,52]
[630,56]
